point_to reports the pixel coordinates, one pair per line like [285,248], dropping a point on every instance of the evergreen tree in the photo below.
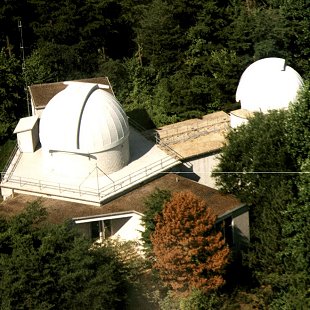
[297,42]
[51,267]
[12,96]
[266,164]
[189,252]
[160,37]
[154,205]
[292,286]
[298,125]
[258,168]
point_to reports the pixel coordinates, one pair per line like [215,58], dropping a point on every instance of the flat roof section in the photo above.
[27,174]
[41,94]
[60,211]
[196,136]
[204,144]
[243,113]
[26,123]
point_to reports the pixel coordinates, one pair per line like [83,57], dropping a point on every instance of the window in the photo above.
[95,230]
[107,228]
[101,229]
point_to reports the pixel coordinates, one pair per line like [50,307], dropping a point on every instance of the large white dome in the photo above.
[268,84]
[83,119]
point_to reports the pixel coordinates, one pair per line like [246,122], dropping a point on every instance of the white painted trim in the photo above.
[105,217]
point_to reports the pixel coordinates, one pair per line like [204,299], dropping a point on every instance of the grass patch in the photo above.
[5,152]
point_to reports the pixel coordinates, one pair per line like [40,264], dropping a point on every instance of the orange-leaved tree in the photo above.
[189,251]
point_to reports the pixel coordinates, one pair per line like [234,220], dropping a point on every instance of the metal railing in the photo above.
[59,189]
[10,162]
[173,153]
[12,155]
[65,190]
[198,124]
[136,177]
[184,133]
[156,138]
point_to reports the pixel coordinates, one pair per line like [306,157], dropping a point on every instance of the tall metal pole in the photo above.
[20,27]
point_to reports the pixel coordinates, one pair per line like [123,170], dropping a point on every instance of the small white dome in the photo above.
[268,84]
[84,119]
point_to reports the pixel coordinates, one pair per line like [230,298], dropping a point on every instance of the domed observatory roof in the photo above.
[84,119]
[268,84]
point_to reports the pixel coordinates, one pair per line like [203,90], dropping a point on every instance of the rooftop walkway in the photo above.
[26,174]
[194,137]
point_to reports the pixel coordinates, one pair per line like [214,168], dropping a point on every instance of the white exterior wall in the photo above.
[131,230]
[203,168]
[114,159]
[79,165]
[29,139]
[38,112]
[241,226]
[68,164]
[236,121]
[125,228]
[6,193]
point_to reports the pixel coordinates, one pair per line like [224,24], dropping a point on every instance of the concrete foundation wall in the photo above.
[6,193]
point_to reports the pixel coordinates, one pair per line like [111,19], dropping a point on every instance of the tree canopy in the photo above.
[52,267]
[256,156]
[12,95]
[266,164]
[189,252]
[173,59]
[154,204]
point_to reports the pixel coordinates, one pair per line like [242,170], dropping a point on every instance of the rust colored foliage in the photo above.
[189,252]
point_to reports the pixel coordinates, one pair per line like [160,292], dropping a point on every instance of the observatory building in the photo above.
[91,131]
[81,148]
[265,85]
[78,146]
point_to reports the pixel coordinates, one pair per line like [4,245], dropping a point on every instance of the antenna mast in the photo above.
[20,27]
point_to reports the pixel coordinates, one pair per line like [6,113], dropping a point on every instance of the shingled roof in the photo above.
[41,94]
[58,210]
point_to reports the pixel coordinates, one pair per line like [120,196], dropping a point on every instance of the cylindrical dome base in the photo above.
[81,165]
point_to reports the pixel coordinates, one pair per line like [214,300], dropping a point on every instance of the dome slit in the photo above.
[81,115]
